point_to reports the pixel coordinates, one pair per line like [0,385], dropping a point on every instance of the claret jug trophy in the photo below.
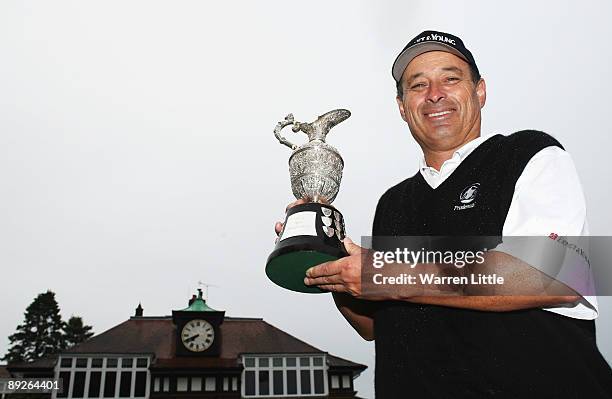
[313,231]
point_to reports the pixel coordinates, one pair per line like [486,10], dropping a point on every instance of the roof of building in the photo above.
[198,304]
[47,362]
[156,335]
[4,372]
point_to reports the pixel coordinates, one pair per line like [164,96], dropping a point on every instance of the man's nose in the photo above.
[435,93]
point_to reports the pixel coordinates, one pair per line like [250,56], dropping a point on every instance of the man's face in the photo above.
[441,103]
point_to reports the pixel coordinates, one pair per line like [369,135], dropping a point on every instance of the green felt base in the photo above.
[288,270]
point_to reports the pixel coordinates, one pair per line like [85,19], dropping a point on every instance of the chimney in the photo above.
[139,311]
[192,300]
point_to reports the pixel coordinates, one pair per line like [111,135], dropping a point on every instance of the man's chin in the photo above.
[444,139]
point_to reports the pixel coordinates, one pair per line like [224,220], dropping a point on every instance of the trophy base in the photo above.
[312,234]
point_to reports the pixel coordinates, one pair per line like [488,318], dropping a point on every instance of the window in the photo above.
[264,381]
[283,376]
[99,377]
[346,381]
[181,384]
[65,377]
[210,384]
[277,377]
[78,386]
[125,386]
[305,381]
[94,384]
[234,383]
[196,384]
[140,386]
[249,383]
[166,384]
[291,382]
[109,384]
[319,386]
[225,384]
[156,384]
[335,381]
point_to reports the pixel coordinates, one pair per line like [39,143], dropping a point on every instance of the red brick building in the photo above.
[198,352]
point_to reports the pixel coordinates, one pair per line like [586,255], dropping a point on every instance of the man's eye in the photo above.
[417,86]
[452,79]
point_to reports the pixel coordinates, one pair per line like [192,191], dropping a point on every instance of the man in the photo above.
[458,345]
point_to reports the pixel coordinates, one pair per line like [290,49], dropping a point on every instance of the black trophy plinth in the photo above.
[312,234]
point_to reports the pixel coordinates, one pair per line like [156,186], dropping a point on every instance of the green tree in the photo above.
[76,332]
[41,332]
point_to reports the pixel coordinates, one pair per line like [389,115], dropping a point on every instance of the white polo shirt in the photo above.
[547,199]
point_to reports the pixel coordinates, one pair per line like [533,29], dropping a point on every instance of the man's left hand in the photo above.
[342,275]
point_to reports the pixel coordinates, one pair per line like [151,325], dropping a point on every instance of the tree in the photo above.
[41,332]
[76,332]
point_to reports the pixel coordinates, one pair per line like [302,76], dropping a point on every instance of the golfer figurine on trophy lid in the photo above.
[312,232]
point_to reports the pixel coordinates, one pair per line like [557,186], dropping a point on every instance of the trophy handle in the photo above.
[279,126]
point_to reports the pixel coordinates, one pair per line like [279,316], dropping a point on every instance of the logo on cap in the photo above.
[436,38]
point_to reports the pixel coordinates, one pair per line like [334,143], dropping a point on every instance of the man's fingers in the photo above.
[324,269]
[333,288]
[294,203]
[351,247]
[325,280]
[278,227]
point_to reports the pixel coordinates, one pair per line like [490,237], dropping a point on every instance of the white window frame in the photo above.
[284,368]
[103,370]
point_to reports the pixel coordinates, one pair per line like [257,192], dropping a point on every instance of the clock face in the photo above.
[197,335]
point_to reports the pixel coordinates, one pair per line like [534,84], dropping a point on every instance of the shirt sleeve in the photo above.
[548,200]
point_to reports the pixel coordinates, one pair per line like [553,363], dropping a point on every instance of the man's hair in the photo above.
[474,74]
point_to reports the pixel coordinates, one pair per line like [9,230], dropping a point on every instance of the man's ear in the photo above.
[400,104]
[481,92]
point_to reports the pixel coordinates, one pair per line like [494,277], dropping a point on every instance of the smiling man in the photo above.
[522,184]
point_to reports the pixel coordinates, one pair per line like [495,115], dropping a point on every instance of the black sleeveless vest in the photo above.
[427,351]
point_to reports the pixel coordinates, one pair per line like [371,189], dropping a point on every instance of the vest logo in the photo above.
[467,197]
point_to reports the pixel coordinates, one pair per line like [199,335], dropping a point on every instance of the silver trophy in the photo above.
[312,232]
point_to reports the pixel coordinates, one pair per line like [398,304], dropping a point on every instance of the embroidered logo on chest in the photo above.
[468,197]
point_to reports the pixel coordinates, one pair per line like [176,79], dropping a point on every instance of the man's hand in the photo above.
[342,275]
[357,312]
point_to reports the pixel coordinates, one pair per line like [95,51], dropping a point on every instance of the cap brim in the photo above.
[402,60]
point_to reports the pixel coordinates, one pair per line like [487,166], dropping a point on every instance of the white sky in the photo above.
[137,154]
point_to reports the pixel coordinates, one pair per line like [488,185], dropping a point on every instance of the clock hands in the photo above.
[192,338]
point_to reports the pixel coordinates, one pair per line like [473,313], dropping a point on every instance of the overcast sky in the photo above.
[137,154]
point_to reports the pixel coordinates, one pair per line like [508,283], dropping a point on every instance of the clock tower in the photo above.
[197,329]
